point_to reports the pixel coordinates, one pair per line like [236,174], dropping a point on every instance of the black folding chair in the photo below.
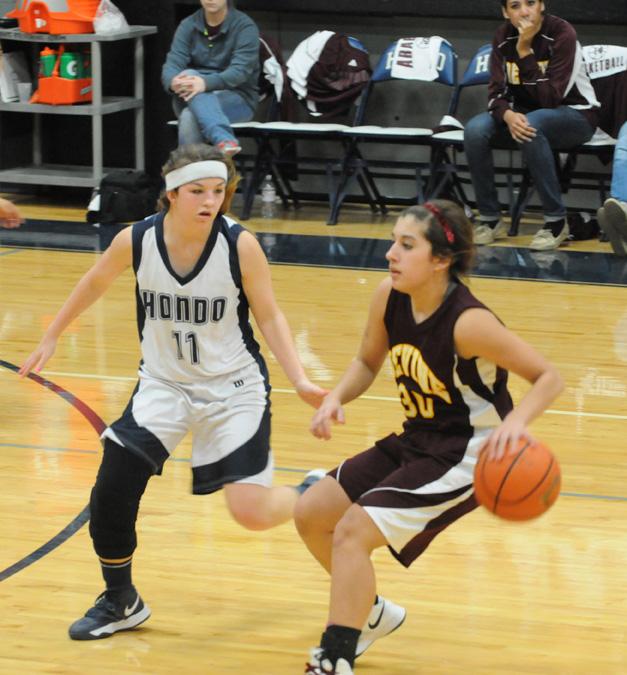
[413,65]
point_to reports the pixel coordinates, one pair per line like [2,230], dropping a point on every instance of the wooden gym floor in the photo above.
[488,596]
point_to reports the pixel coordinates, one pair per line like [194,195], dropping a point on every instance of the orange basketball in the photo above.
[520,486]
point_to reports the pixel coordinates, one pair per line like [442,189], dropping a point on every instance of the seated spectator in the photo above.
[211,71]
[9,215]
[612,216]
[539,97]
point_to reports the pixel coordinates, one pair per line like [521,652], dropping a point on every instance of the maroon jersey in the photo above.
[439,390]
[553,75]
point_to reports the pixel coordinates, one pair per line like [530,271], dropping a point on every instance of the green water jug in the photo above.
[47,59]
[71,65]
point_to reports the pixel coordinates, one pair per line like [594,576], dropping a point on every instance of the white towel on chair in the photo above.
[416,58]
[604,60]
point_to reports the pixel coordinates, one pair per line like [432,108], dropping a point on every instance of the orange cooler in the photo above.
[57,17]
[60,91]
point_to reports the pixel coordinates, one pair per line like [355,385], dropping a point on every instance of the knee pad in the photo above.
[114,501]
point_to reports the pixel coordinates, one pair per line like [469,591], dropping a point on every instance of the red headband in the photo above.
[450,236]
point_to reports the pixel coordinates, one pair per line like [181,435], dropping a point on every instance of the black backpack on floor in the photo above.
[125,196]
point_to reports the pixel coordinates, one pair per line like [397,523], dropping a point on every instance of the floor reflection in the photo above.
[503,262]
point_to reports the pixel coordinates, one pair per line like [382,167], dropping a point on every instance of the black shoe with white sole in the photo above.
[111,613]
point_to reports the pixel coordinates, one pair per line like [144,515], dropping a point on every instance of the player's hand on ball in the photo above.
[505,438]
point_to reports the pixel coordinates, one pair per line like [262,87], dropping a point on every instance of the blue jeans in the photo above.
[207,117]
[560,128]
[619,168]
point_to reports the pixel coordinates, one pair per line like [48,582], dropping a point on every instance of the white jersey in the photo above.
[194,327]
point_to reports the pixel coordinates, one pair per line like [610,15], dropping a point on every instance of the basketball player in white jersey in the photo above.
[197,272]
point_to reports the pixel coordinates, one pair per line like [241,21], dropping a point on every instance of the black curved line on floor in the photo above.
[49,546]
[75,525]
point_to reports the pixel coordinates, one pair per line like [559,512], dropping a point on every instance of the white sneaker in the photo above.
[310,479]
[484,234]
[229,148]
[545,241]
[385,617]
[318,665]
[612,217]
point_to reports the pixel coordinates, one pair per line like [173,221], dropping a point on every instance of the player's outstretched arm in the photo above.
[10,215]
[361,372]
[479,333]
[97,280]
[272,323]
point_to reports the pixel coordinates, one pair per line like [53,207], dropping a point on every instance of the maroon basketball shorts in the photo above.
[413,485]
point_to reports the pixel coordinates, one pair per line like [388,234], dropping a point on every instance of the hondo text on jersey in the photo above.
[182,308]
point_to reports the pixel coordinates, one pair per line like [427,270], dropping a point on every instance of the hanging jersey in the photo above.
[607,67]
[416,59]
[439,390]
[194,327]
[328,71]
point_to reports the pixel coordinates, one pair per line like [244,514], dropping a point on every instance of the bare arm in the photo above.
[362,371]
[95,282]
[9,214]
[272,323]
[479,333]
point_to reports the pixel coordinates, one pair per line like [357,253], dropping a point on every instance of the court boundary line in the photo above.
[282,469]
[611,280]
[367,397]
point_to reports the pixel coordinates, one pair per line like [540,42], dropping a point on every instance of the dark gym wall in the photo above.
[466,23]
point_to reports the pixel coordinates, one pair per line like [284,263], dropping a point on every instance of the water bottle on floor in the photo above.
[268,198]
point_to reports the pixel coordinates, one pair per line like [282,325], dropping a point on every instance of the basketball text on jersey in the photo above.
[604,60]
[181,308]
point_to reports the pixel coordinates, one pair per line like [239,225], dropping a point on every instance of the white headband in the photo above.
[196,171]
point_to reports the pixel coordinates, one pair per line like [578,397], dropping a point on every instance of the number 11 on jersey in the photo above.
[193,345]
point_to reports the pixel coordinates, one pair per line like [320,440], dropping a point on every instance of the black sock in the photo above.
[340,642]
[117,575]
[556,226]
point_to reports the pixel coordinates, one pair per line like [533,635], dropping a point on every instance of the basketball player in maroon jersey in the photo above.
[450,357]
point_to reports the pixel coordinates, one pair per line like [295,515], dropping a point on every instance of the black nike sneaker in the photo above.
[111,613]
[385,617]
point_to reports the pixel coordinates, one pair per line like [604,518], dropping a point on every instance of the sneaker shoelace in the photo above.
[105,603]
[102,603]
[320,665]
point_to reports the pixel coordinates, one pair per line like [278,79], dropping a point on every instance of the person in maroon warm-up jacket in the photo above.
[540,98]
